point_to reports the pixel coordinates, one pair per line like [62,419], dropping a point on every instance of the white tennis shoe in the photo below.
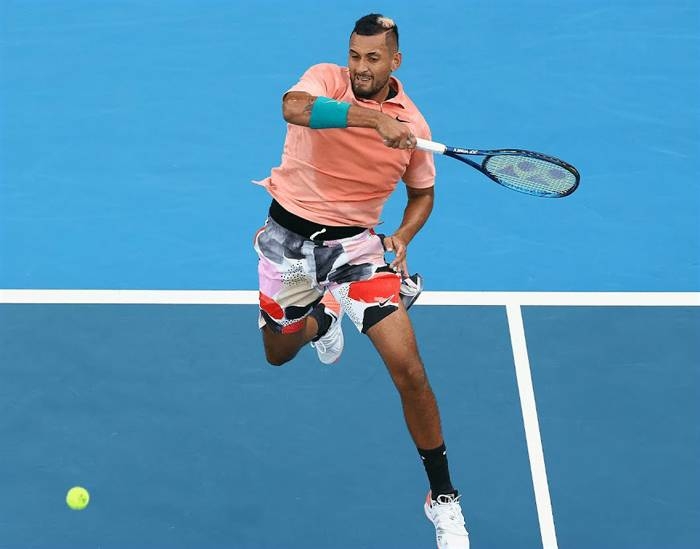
[446,516]
[329,346]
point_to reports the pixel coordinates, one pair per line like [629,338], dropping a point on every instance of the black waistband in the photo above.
[309,229]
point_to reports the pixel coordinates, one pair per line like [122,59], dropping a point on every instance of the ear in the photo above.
[396,61]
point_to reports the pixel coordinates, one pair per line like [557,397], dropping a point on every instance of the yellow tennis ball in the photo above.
[77,498]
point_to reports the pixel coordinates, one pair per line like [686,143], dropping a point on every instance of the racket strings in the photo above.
[531,175]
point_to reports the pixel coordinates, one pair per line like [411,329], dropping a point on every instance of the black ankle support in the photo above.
[322,319]
[435,462]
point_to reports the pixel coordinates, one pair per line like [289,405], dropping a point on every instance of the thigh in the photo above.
[287,278]
[368,302]
[364,285]
[395,341]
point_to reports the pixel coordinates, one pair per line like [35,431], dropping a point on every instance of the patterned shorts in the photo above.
[295,272]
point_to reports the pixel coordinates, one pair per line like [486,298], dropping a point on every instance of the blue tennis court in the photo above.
[130,359]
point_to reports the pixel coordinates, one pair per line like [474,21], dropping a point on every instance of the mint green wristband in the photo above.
[328,113]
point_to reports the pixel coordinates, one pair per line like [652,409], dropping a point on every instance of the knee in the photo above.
[279,348]
[275,358]
[411,378]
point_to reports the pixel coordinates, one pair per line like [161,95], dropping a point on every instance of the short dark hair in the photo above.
[376,23]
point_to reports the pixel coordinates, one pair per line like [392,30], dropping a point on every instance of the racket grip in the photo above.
[431,146]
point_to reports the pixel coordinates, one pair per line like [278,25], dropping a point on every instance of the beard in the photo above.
[367,92]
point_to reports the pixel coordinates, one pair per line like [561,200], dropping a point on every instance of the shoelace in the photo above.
[448,516]
[319,345]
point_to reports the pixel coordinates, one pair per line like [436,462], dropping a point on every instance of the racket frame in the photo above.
[461,155]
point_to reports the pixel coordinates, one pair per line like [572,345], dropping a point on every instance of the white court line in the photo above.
[132,297]
[597,299]
[532,427]
[250,297]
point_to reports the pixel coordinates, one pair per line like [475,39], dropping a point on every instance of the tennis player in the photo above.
[351,137]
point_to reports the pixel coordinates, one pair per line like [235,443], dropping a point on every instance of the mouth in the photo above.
[363,79]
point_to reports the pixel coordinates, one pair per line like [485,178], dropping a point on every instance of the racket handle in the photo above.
[432,146]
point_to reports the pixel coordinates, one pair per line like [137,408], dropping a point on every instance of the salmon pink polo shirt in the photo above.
[343,176]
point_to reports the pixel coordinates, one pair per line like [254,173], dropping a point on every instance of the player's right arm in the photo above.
[297,107]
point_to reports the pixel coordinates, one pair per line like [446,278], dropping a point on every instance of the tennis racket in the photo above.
[523,171]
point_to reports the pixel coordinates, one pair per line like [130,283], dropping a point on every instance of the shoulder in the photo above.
[323,79]
[328,70]
[334,79]
[413,112]
[416,115]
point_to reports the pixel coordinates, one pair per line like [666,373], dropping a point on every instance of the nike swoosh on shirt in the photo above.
[386,301]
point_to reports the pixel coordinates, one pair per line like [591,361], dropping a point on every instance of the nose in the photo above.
[361,67]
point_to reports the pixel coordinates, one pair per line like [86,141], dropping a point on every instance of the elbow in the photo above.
[294,108]
[290,111]
[287,111]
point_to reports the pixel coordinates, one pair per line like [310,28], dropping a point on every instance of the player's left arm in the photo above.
[418,209]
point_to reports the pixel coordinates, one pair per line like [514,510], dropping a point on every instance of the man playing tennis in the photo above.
[351,137]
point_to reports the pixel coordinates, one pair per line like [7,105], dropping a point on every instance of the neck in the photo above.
[387,92]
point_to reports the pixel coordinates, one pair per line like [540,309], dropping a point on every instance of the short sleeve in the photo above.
[420,172]
[324,79]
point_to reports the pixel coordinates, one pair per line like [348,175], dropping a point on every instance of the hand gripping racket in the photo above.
[523,171]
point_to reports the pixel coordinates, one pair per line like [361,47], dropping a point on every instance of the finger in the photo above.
[393,261]
[392,143]
[399,257]
[396,244]
[399,265]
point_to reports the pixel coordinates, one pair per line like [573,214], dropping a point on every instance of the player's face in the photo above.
[371,61]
